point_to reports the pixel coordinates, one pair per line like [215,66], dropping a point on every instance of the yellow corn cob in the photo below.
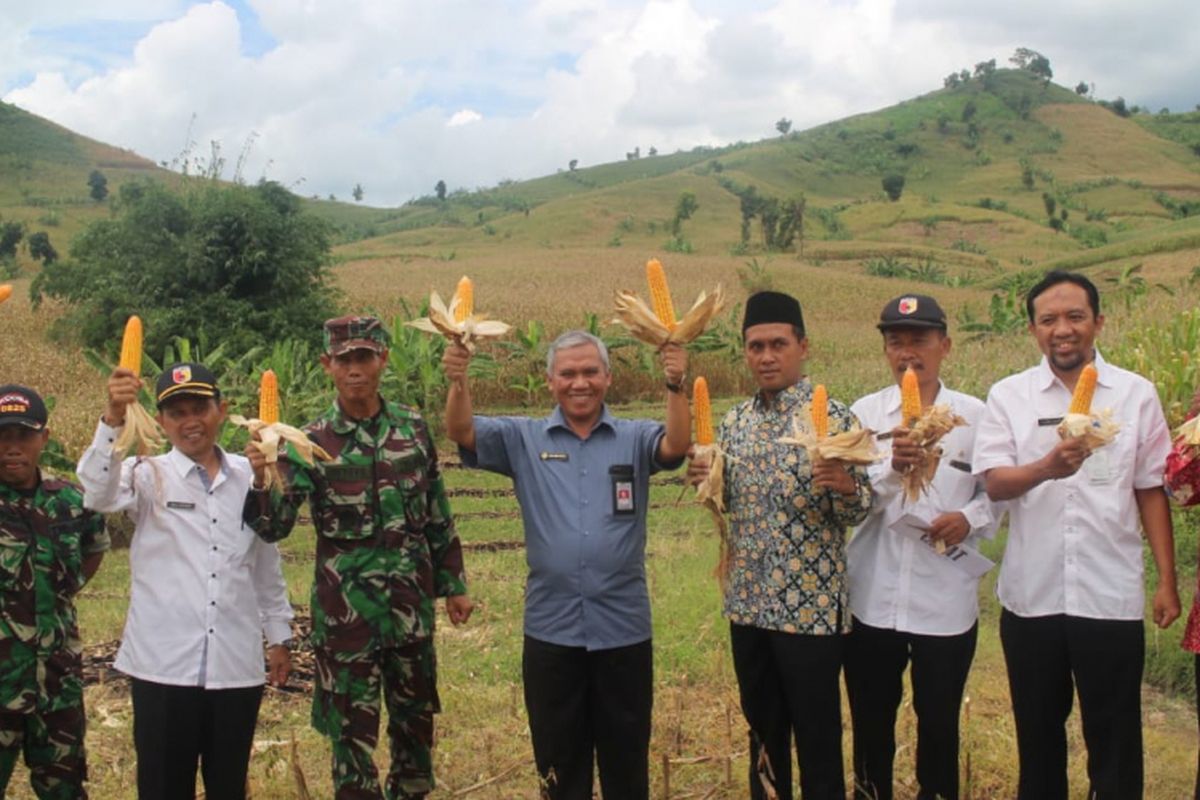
[702,412]
[660,295]
[268,398]
[5,292]
[820,411]
[465,292]
[910,398]
[131,345]
[1085,387]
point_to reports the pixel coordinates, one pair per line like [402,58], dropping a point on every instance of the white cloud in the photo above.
[463,116]
[397,94]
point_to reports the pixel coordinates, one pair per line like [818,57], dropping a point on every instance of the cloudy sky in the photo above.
[397,94]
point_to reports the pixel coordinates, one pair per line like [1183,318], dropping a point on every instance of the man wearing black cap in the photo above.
[386,550]
[785,593]
[910,599]
[50,546]
[204,590]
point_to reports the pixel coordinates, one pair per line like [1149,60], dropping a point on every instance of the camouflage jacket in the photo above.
[44,538]
[386,544]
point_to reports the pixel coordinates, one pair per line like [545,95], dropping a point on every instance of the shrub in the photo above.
[893,185]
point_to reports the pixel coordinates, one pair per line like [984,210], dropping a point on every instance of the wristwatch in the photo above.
[676,388]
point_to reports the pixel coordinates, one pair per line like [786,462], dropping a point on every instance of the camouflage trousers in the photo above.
[346,708]
[52,743]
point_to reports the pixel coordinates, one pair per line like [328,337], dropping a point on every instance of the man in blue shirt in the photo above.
[582,479]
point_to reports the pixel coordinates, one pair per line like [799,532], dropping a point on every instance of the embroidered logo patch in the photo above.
[181,374]
[908,305]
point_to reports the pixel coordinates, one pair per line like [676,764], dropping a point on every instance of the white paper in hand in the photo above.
[968,559]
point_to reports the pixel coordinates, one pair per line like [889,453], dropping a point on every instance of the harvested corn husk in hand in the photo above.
[1183,464]
[458,321]
[657,326]
[1081,422]
[141,432]
[810,430]
[273,434]
[925,430]
[711,491]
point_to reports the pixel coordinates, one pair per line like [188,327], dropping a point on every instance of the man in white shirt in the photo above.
[204,589]
[1071,582]
[910,601]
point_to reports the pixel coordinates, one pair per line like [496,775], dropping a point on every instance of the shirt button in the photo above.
[214,520]
[210,630]
[214,548]
[212,602]
[214,574]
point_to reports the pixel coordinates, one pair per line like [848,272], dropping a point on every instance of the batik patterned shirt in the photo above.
[787,537]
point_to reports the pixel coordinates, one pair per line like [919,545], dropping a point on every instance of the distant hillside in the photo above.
[982,164]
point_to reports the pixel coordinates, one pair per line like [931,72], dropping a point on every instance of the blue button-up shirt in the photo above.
[587,563]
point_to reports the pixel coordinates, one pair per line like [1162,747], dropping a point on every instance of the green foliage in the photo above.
[893,185]
[97,185]
[11,234]
[1164,351]
[240,265]
[1006,314]
[754,277]
[40,247]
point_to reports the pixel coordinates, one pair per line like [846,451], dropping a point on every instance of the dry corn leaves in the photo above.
[710,493]
[926,433]
[855,446]
[1096,429]
[441,320]
[140,433]
[645,326]
[271,438]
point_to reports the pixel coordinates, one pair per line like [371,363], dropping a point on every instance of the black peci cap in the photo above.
[766,307]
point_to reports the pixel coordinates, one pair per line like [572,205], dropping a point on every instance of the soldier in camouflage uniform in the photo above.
[49,547]
[386,548]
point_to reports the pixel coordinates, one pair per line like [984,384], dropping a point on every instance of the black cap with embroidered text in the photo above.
[20,405]
[183,379]
[912,311]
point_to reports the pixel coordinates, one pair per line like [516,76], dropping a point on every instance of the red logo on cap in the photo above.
[908,305]
[181,374]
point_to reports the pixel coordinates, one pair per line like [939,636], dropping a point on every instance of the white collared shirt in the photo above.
[897,582]
[204,589]
[1075,544]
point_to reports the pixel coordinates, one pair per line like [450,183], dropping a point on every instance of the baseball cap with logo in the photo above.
[20,405]
[912,311]
[186,378]
[355,332]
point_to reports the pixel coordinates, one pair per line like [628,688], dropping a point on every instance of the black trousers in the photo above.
[875,662]
[580,702]
[174,727]
[1049,659]
[789,685]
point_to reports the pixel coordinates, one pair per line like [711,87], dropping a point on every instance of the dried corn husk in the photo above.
[1096,429]
[855,446]
[710,493]
[441,320]
[140,433]
[271,440]
[645,326]
[926,433]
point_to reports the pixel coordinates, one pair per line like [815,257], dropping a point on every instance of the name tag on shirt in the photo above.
[180,505]
[622,489]
[545,456]
[961,466]
[1046,422]
[347,472]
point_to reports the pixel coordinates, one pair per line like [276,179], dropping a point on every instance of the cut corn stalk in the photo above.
[464,299]
[141,432]
[1081,421]
[657,326]
[910,398]
[5,292]
[926,432]
[268,398]
[467,331]
[660,295]
[702,411]
[819,409]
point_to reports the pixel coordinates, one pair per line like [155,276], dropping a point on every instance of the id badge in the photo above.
[623,499]
[1098,467]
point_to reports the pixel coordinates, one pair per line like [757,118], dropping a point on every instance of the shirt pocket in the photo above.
[348,516]
[15,567]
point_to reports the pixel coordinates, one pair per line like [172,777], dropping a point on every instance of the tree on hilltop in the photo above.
[357,194]
[783,126]
[1032,61]
[440,190]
